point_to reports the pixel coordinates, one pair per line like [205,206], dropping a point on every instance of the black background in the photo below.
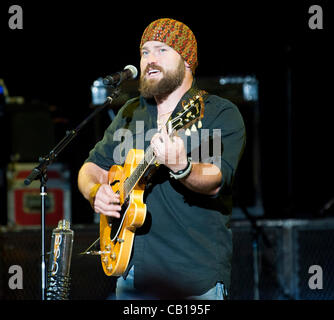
[64,47]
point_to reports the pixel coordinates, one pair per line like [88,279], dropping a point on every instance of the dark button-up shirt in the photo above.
[185,244]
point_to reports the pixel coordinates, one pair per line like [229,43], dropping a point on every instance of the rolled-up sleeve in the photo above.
[222,138]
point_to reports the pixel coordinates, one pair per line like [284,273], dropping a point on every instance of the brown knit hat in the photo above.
[176,35]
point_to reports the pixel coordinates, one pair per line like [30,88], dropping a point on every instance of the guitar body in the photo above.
[117,234]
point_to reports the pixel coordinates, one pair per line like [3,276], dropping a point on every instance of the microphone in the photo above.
[129,72]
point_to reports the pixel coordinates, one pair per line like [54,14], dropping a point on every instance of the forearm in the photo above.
[204,178]
[89,175]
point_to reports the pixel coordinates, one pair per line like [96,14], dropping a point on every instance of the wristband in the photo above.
[182,173]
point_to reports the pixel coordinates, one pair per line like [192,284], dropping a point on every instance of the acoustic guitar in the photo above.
[117,234]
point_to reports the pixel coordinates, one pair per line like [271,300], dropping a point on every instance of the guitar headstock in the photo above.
[193,111]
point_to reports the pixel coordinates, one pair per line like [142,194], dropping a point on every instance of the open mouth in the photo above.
[153,72]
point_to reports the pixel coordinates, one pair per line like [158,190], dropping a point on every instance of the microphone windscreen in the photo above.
[133,70]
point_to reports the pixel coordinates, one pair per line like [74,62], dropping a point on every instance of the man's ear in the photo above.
[188,68]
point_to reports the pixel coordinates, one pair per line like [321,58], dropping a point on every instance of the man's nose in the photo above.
[152,59]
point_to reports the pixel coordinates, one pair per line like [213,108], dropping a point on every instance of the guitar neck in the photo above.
[139,171]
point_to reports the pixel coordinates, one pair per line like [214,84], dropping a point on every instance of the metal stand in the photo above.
[256,256]
[40,172]
[43,193]
[256,232]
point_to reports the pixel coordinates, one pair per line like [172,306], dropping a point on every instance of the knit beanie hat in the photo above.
[176,35]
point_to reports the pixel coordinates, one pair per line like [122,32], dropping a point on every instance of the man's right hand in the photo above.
[93,184]
[107,202]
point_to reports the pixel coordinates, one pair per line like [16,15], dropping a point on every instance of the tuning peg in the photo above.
[193,128]
[187,133]
[199,124]
[169,127]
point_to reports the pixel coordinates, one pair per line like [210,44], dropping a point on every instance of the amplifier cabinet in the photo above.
[24,202]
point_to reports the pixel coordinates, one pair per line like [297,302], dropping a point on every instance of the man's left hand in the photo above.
[169,151]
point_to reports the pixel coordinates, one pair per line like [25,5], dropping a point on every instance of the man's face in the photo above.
[162,70]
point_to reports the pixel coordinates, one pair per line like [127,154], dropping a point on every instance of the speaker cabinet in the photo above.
[286,251]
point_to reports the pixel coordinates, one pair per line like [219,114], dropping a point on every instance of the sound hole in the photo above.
[113,183]
[116,223]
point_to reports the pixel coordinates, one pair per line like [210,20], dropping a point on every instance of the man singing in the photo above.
[184,248]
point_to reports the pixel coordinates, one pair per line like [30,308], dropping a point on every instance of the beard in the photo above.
[162,88]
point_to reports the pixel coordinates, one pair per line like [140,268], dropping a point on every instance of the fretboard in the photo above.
[135,176]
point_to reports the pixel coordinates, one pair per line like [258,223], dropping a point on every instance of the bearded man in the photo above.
[184,248]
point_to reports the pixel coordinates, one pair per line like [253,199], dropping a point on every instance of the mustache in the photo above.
[153,66]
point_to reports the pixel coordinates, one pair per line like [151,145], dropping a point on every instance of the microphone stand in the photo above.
[256,233]
[40,172]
